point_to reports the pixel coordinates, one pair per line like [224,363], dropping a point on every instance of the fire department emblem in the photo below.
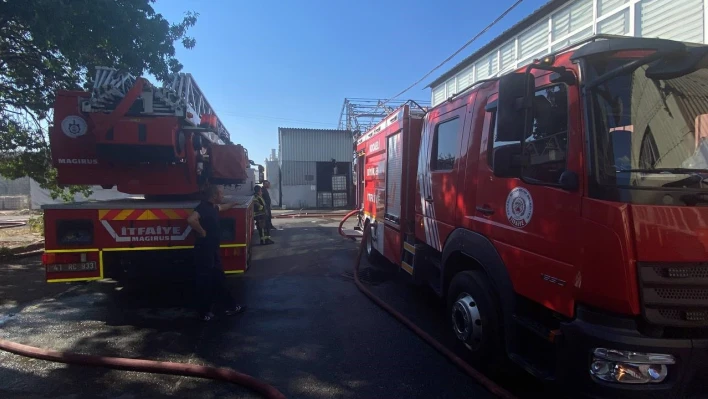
[519,207]
[73,126]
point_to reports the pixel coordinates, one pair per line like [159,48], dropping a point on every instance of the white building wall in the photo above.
[683,20]
[299,197]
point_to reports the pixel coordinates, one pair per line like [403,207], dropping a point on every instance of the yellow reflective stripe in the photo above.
[148,215]
[67,251]
[171,214]
[100,264]
[166,248]
[233,271]
[148,248]
[123,214]
[405,266]
[72,280]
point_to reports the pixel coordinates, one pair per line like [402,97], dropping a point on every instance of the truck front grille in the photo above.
[674,294]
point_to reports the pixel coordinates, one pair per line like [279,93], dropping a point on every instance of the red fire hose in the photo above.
[476,375]
[148,366]
[347,216]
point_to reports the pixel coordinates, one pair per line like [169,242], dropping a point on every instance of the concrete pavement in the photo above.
[307,330]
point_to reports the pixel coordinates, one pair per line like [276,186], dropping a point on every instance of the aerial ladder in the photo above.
[143,138]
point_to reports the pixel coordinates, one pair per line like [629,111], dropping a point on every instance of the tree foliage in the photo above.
[49,45]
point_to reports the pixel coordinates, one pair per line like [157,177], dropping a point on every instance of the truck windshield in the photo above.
[650,133]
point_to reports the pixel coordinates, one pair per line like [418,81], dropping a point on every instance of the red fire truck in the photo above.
[560,210]
[163,144]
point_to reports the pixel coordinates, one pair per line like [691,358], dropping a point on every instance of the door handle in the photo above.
[485,210]
[429,199]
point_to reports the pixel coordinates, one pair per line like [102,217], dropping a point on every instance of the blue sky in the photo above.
[287,63]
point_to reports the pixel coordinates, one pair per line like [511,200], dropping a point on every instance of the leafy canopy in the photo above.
[49,45]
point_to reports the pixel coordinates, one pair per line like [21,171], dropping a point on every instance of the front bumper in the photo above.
[687,378]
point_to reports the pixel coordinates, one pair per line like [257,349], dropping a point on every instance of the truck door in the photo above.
[438,172]
[531,220]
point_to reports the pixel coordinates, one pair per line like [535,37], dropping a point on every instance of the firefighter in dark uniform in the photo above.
[210,279]
[261,216]
[269,213]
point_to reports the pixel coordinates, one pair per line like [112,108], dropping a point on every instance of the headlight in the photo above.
[628,367]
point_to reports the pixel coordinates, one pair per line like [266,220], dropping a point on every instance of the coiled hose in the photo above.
[476,375]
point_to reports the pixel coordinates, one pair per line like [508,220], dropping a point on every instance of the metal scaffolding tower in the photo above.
[361,114]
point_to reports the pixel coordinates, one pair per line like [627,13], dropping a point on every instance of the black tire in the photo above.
[474,319]
[372,255]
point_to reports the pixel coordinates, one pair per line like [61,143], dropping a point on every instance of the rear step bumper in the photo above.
[592,330]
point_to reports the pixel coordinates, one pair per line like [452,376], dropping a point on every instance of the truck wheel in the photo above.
[474,317]
[372,255]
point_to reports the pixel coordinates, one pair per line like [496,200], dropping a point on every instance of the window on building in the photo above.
[445,145]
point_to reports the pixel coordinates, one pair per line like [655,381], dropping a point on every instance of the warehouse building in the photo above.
[315,168]
[560,23]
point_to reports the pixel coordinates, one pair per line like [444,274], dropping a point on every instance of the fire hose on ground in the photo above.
[474,374]
[147,366]
[235,377]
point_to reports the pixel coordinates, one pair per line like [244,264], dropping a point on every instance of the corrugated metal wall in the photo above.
[298,173]
[682,20]
[313,145]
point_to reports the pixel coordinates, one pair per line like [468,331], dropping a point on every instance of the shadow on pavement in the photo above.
[307,331]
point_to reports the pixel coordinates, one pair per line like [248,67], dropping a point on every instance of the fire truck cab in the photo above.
[560,211]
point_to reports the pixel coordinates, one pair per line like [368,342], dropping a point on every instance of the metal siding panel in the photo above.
[605,7]
[571,18]
[315,145]
[508,57]
[438,94]
[482,69]
[672,19]
[451,87]
[534,41]
[465,78]
[617,24]
[493,63]
[294,173]
[587,32]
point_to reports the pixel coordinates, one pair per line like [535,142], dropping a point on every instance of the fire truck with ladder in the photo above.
[561,212]
[161,144]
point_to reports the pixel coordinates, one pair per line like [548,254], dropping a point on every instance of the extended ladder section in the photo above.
[179,96]
[143,139]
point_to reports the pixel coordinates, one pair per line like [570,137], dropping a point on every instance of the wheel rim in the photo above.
[467,321]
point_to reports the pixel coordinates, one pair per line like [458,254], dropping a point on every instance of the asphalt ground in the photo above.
[307,330]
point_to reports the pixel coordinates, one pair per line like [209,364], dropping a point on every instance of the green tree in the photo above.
[49,45]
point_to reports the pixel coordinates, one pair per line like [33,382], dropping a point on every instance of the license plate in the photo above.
[72,267]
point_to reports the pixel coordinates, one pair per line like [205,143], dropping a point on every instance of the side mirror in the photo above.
[516,90]
[506,160]
[676,65]
[569,180]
